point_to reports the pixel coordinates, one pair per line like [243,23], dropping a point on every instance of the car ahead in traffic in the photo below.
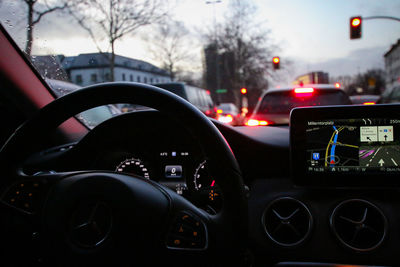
[228,113]
[390,95]
[364,99]
[199,97]
[274,105]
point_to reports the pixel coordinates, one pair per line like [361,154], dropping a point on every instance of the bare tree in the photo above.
[244,52]
[171,47]
[36,11]
[114,19]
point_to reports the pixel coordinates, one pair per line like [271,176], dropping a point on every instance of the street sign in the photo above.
[221,91]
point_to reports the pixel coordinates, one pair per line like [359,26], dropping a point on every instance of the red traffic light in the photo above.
[243,91]
[355,22]
[355,27]
[275,62]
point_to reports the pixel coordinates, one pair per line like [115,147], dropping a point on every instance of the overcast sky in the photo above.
[313,34]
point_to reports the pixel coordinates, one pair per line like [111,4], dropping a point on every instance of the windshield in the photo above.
[214,52]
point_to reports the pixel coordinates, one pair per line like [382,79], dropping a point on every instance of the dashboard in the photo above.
[290,222]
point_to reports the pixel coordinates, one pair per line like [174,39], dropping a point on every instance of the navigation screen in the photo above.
[353,145]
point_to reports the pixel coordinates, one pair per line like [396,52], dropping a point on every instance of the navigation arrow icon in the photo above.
[386,137]
[368,138]
[381,162]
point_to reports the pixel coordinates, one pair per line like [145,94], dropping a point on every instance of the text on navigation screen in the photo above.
[353,145]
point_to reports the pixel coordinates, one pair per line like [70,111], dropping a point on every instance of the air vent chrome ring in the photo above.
[287,221]
[359,225]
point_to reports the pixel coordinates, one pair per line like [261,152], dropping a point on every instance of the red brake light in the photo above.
[369,103]
[303,91]
[253,122]
[226,119]
[337,85]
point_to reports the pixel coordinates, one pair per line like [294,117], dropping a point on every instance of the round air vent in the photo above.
[287,221]
[359,224]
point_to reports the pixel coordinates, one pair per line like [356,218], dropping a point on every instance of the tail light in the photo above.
[369,103]
[304,91]
[253,122]
[225,119]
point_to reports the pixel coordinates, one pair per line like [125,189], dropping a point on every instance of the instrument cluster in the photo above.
[183,171]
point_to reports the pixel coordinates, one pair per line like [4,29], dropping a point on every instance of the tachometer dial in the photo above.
[133,166]
[202,179]
[208,193]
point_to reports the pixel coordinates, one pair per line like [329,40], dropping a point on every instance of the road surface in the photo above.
[380,156]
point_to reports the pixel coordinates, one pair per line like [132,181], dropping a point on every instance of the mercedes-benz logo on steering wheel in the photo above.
[90,224]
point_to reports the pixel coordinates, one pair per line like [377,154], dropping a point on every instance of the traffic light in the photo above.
[243,91]
[355,27]
[275,62]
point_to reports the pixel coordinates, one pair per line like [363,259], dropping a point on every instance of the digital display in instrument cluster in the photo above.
[174,169]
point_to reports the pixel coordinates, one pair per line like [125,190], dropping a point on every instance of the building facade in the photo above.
[87,69]
[392,65]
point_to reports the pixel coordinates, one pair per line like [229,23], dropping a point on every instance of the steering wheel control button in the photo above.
[25,195]
[173,171]
[187,232]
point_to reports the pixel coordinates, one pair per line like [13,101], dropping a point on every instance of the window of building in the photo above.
[145,79]
[131,78]
[123,76]
[138,79]
[78,79]
[151,80]
[93,77]
[92,61]
[156,80]
[107,77]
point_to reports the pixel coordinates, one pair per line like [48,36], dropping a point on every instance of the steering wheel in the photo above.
[92,217]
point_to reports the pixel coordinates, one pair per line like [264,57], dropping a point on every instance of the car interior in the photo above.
[169,186]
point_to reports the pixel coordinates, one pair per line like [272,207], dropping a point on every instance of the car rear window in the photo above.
[284,102]
[173,88]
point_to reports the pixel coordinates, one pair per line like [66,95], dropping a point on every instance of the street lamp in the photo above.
[213,3]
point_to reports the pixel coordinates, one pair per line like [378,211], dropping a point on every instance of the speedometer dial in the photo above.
[133,166]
